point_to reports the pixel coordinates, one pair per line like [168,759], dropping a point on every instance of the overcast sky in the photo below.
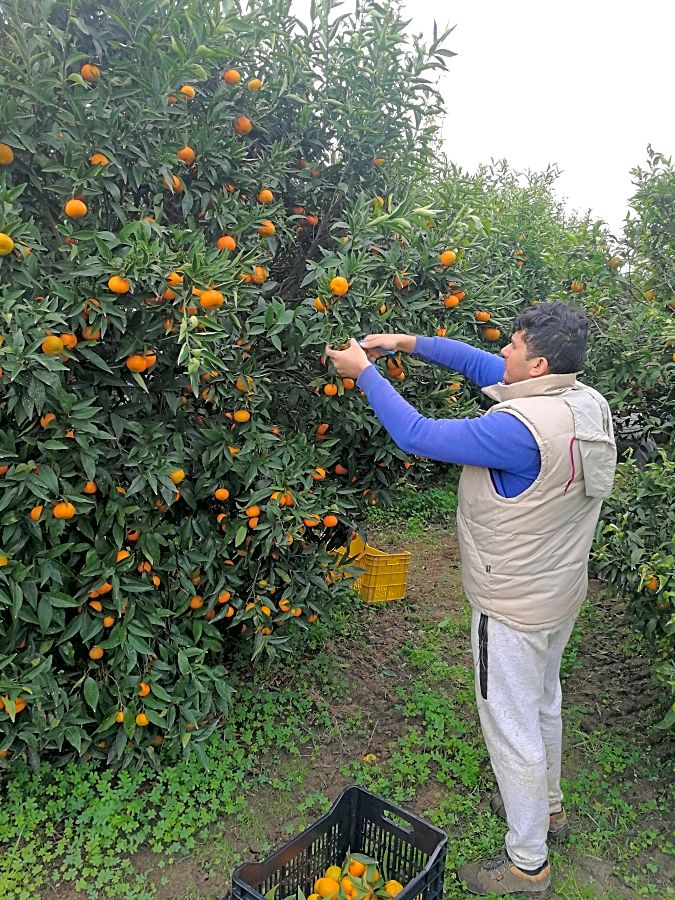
[586,84]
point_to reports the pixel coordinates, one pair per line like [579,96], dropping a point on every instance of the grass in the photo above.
[142,834]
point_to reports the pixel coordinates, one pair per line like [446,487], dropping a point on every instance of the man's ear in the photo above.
[539,366]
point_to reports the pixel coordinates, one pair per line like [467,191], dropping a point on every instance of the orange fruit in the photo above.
[6,155]
[150,358]
[69,341]
[481,316]
[175,184]
[211,299]
[90,72]
[318,474]
[255,84]
[90,487]
[340,469]
[36,512]
[89,333]
[312,221]
[136,363]
[241,415]
[451,301]
[393,888]
[171,99]
[225,242]
[260,275]
[6,244]
[348,384]
[253,522]
[119,716]
[578,287]
[447,257]
[52,345]
[187,155]
[330,521]
[326,887]
[188,91]
[224,597]
[122,555]
[221,493]
[231,76]
[47,418]
[174,278]
[339,285]
[356,868]
[441,332]
[133,535]
[75,209]
[96,653]
[491,334]
[142,720]
[330,390]
[252,511]
[196,602]
[243,125]
[265,196]
[319,305]
[177,475]
[118,285]
[98,159]
[652,583]
[312,522]
[266,228]
[244,383]
[64,510]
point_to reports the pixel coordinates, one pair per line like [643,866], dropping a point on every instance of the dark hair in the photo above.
[558,332]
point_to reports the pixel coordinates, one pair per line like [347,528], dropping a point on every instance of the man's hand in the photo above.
[373,344]
[351,362]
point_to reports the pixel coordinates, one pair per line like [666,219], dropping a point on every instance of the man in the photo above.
[536,468]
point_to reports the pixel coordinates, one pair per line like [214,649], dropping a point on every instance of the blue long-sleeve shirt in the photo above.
[499,442]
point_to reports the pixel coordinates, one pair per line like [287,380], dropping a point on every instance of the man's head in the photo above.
[548,339]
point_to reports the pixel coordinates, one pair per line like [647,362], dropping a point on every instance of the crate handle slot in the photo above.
[393,819]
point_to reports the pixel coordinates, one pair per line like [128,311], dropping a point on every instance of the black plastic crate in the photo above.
[408,849]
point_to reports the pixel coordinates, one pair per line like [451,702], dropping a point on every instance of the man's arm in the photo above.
[498,441]
[479,366]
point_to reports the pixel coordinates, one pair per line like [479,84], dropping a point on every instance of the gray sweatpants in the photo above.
[519,701]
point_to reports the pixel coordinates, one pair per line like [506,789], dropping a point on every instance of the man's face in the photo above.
[518,366]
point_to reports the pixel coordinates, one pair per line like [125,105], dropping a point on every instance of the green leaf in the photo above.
[91,692]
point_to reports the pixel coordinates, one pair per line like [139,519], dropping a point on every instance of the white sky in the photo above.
[586,84]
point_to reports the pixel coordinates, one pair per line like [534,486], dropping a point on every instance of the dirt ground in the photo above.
[606,688]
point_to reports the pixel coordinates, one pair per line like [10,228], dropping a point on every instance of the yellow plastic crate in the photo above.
[386,574]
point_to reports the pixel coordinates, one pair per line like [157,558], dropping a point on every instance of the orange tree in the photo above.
[180,186]
[635,546]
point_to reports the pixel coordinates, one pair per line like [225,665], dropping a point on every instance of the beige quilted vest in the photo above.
[525,558]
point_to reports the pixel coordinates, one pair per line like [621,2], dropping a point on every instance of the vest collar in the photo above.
[543,386]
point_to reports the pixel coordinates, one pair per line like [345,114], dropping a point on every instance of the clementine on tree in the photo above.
[90,72]
[52,345]
[118,285]
[226,242]
[339,285]
[75,209]
[6,155]
[243,125]
[231,76]
[186,155]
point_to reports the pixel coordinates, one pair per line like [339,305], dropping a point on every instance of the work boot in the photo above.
[558,824]
[498,875]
